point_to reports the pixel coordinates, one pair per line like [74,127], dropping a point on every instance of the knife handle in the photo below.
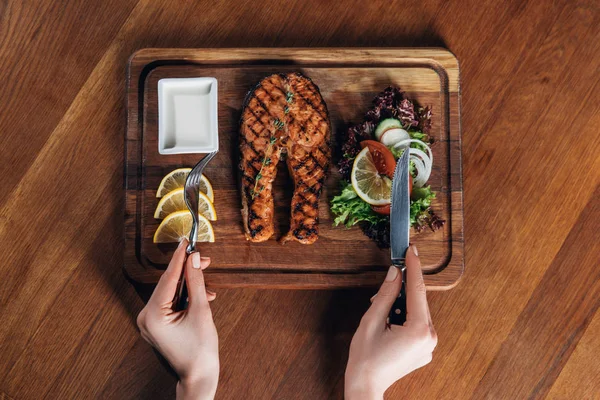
[398,312]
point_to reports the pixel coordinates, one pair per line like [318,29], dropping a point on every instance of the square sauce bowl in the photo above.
[187,115]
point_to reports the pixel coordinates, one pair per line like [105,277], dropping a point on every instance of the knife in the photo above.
[399,232]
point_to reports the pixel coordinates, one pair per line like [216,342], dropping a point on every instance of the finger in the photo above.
[167,285]
[210,295]
[204,262]
[416,299]
[383,301]
[195,281]
[431,328]
[432,331]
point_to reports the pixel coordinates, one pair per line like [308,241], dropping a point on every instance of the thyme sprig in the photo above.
[267,158]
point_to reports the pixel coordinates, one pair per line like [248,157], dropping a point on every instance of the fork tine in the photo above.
[196,174]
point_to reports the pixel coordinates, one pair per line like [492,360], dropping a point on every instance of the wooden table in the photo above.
[524,321]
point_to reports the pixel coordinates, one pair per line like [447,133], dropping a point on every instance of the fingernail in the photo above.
[180,243]
[392,274]
[414,250]
[196,260]
[373,298]
[205,258]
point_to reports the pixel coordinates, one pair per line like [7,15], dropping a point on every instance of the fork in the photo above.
[191,193]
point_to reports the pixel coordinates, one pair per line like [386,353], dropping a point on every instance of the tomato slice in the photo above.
[382,157]
[384,210]
[386,165]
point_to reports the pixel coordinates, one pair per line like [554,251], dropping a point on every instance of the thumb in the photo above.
[195,280]
[387,294]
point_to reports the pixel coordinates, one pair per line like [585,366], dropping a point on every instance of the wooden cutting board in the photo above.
[348,80]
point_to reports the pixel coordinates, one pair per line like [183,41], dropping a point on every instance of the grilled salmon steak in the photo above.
[284,114]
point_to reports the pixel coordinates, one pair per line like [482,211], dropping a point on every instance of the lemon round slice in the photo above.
[174,201]
[176,179]
[370,186]
[177,226]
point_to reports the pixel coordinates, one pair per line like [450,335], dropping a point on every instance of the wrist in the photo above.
[196,389]
[362,394]
[361,389]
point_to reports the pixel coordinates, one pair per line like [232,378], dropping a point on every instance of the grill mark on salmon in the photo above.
[285,113]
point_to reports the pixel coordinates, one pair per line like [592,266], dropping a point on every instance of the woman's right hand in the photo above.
[381,353]
[187,339]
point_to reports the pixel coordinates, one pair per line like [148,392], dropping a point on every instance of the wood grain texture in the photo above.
[523,322]
[348,79]
[580,376]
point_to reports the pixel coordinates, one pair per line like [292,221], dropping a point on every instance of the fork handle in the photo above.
[181,297]
[191,247]
[180,302]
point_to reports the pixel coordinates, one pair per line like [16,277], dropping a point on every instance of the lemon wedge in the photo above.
[177,226]
[173,180]
[370,186]
[174,201]
[176,179]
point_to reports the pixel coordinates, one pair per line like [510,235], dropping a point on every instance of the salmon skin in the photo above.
[284,114]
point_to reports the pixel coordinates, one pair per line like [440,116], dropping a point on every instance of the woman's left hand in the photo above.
[187,339]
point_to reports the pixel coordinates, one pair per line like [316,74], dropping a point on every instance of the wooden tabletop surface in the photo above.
[522,323]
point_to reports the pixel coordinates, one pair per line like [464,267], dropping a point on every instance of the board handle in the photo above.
[397,314]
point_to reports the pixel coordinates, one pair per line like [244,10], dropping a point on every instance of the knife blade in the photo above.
[400,210]
[400,231]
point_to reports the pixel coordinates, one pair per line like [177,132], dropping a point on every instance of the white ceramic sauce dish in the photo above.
[187,115]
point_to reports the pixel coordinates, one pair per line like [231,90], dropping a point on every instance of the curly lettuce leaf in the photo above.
[349,209]
[411,164]
[420,202]
[396,152]
[421,214]
[419,135]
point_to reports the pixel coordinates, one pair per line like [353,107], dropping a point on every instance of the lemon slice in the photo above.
[174,201]
[177,226]
[206,188]
[176,179]
[370,186]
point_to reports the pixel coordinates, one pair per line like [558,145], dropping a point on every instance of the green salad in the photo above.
[370,150]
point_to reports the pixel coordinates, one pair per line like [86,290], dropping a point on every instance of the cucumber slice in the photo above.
[393,136]
[386,124]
